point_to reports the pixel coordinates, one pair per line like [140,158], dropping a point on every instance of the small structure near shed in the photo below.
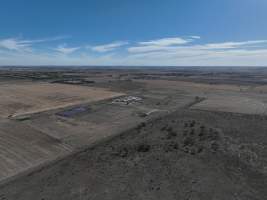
[127,100]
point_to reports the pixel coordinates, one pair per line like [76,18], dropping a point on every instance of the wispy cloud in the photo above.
[66,50]
[195,37]
[18,44]
[49,39]
[15,44]
[232,45]
[165,51]
[167,41]
[163,44]
[192,48]
[108,47]
[252,52]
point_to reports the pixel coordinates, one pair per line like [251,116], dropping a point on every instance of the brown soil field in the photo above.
[23,147]
[223,97]
[190,85]
[234,104]
[261,89]
[31,98]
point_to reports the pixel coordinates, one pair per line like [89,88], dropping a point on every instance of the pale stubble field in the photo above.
[28,98]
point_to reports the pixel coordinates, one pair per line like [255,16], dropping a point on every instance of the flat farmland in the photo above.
[192,87]
[218,97]
[28,98]
[190,133]
[23,147]
[233,104]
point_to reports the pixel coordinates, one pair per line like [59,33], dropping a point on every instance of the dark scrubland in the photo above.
[186,155]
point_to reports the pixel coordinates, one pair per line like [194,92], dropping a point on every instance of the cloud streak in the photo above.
[17,44]
[108,47]
[163,44]
[168,41]
[233,45]
[66,50]
[178,51]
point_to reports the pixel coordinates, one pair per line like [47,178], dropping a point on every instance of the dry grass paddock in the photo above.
[27,98]
[234,104]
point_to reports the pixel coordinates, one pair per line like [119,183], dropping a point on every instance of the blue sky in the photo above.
[133,32]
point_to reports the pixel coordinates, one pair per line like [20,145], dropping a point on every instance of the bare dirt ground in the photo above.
[234,104]
[197,133]
[23,148]
[223,97]
[27,98]
[186,85]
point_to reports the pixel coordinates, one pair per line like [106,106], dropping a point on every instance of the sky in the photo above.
[133,32]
